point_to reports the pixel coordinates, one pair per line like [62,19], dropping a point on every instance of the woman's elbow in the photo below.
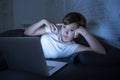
[28,33]
[102,51]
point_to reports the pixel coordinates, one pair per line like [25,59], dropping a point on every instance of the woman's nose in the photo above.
[66,31]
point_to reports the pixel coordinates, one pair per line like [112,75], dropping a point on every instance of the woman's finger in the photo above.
[53,28]
[75,35]
[59,24]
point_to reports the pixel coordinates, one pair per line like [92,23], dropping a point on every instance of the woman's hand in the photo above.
[81,30]
[52,26]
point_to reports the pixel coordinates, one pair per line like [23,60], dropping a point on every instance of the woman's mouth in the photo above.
[65,37]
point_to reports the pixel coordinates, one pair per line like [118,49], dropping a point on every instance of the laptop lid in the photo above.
[26,54]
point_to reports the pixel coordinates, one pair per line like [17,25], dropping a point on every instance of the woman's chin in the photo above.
[65,40]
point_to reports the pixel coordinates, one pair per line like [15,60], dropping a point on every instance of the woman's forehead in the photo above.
[72,25]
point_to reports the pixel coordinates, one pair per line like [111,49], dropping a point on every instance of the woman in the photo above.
[57,39]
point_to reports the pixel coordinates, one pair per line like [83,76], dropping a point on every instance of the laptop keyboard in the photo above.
[50,67]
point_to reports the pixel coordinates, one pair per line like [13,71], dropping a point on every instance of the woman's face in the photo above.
[68,32]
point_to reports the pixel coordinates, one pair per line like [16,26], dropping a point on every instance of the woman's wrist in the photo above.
[47,29]
[83,32]
[86,34]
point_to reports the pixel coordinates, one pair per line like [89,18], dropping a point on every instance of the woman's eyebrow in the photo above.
[72,27]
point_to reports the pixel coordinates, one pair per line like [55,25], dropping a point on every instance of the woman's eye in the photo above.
[71,30]
[63,26]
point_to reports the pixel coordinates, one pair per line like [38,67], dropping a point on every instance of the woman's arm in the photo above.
[93,43]
[39,28]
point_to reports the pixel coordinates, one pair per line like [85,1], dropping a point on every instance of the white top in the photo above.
[53,47]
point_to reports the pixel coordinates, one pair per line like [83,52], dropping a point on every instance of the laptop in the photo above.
[26,54]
